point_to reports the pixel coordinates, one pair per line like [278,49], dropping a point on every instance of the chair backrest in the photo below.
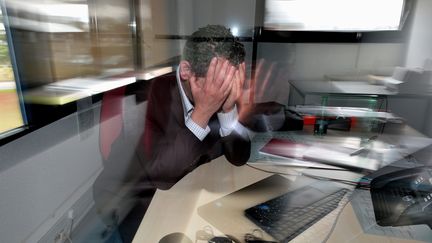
[111,119]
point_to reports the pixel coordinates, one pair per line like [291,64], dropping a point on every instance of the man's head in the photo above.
[208,42]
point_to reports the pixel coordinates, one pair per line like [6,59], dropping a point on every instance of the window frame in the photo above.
[383,36]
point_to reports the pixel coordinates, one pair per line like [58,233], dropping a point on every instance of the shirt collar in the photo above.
[187,105]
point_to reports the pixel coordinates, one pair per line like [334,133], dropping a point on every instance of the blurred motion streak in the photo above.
[49,16]
[67,50]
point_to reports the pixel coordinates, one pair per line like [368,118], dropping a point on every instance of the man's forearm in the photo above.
[236,148]
[201,117]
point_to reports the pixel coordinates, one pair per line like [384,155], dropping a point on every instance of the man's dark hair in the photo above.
[212,41]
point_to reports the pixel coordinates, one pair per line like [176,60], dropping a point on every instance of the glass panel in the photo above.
[10,111]
[68,50]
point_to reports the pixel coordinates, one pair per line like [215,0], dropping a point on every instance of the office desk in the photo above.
[175,210]
[356,93]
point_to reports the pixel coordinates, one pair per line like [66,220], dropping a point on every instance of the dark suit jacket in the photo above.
[170,149]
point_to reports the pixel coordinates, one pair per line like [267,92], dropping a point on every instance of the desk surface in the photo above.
[176,210]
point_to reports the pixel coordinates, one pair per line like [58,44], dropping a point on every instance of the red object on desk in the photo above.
[309,120]
[353,121]
[285,148]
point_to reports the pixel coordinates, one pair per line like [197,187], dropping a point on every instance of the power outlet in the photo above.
[61,232]
[62,237]
[70,219]
[64,234]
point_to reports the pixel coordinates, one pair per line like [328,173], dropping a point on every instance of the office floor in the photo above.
[130,224]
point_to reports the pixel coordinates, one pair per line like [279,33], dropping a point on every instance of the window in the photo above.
[11,116]
[334,15]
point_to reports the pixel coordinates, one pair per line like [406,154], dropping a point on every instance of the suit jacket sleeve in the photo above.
[236,148]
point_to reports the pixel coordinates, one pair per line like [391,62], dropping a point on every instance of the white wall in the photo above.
[183,17]
[313,61]
[305,62]
[419,55]
[38,183]
[238,13]
[43,173]
[419,45]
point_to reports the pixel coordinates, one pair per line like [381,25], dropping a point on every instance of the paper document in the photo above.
[350,152]
[271,159]
[345,112]
[320,152]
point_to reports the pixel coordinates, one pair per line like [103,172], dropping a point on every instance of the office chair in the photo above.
[119,189]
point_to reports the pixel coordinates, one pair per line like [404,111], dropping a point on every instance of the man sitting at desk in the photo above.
[192,115]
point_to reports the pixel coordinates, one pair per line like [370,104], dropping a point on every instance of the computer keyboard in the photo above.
[285,223]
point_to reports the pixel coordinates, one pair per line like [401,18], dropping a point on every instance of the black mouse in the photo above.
[176,237]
